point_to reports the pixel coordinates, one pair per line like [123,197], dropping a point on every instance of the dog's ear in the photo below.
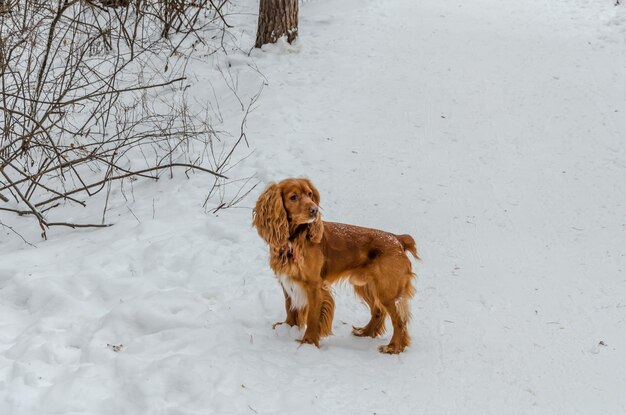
[316,229]
[270,218]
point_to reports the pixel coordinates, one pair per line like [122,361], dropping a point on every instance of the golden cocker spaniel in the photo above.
[308,255]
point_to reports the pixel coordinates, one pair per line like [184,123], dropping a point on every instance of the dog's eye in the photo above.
[310,194]
[294,197]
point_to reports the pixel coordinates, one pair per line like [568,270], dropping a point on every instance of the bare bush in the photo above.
[89,97]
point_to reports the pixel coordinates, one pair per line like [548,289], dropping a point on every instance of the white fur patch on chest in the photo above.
[294,290]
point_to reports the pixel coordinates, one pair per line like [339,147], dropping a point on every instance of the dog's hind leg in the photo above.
[376,326]
[400,313]
[327,313]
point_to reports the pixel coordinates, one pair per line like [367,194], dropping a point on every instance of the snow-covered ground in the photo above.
[492,131]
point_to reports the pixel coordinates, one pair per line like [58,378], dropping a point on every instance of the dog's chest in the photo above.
[294,290]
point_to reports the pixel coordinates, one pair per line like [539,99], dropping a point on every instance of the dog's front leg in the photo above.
[294,316]
[314,305]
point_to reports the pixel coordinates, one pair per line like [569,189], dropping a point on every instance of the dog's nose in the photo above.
[313,211]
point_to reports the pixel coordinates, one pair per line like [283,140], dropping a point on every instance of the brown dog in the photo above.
[308,255]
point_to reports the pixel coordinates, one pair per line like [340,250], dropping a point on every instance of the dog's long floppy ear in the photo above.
[270,218]
[316,229]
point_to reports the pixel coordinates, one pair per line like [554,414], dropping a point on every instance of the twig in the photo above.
[77,107]
[19,212]
[219,13]
[42,221]
[15,232]
[123,176]
[80,225]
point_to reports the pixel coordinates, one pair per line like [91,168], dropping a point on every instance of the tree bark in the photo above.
[277,18]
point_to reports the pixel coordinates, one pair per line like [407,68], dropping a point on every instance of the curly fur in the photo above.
[309,255]
[270,218]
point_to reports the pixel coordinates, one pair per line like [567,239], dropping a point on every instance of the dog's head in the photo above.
[283,206]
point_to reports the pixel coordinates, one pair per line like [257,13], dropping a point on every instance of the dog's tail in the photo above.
[408,244]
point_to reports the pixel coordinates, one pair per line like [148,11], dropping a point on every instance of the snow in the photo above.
[491,131]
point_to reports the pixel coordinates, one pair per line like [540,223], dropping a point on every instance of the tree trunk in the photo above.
[277,18]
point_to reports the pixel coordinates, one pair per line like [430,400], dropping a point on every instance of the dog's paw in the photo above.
[391,349]
[362,332]
[278,323]
[309,340]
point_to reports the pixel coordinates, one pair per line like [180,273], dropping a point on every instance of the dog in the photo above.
[308,255]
